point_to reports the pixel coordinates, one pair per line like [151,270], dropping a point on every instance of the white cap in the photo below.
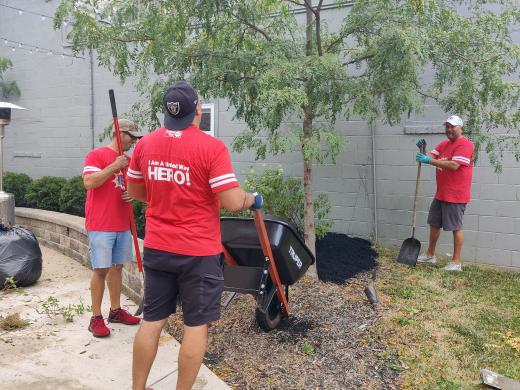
[455,121]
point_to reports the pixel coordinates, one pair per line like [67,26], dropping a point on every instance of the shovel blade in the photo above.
[409,251]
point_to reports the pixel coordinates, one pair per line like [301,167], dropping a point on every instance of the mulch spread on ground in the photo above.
[325,344]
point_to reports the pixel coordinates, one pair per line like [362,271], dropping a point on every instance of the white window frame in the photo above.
[211,108]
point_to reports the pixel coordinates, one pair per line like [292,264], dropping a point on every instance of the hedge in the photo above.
[283,197]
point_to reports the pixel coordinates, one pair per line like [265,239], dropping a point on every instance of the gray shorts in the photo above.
[197,280]
[446,215]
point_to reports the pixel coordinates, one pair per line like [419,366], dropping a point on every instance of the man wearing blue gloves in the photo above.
[453,159]
[184,176]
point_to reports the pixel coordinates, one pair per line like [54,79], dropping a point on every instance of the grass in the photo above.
[445,327]
[13,322]
[52,307]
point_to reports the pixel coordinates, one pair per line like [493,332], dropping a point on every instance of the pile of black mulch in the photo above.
[340,257]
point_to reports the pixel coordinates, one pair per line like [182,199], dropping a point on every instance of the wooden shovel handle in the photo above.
[422,148]
[120,152]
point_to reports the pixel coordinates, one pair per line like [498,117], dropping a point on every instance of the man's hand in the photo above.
[119,163]
[126,197]
[422,158]
[420,142]
[259,201]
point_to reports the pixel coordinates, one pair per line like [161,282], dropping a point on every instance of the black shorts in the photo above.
[197,280]
[446,215]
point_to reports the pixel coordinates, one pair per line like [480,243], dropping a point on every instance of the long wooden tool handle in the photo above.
[130,209]
[268,254]
[423,150]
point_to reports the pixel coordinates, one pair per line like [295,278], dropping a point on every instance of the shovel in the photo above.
[132,221]
[411,247]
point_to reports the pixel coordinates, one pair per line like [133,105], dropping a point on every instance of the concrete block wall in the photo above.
[66,234]
[53,136]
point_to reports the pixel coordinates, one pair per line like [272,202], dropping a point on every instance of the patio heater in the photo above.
[6,200]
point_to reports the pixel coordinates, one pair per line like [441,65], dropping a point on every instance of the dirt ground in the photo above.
[325,344]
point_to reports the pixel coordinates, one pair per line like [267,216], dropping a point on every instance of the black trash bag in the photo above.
[20,256]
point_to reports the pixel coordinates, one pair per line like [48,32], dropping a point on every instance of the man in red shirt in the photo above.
[184,176]
[107,220]
[453,159]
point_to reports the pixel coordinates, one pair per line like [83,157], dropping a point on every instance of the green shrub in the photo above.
[44,193]
[284,197]
[16,184]
[72,197]
[139,217]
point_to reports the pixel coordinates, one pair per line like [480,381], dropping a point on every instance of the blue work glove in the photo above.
[420,142]
[422,158]
[259,201]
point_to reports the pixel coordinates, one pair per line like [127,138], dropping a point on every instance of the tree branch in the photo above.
[123,40]
[318,29]
[309,7]
[251,25]
[426,95]
[344,35]
[365,57]
[464,58]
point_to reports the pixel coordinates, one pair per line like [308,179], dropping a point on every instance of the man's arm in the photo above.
[137,191]
[95,180]
[445,164]
[236,199]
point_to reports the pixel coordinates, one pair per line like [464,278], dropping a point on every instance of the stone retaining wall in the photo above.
[66,234]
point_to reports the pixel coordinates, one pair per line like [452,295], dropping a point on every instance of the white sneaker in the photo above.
[451,266]
[427,259]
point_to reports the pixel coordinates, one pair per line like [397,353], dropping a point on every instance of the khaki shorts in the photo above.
[446,215]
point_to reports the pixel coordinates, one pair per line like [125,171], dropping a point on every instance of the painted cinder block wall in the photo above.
[55,133]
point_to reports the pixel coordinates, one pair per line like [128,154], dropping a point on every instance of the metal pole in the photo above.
[2,125]
[374,180]
[6,200]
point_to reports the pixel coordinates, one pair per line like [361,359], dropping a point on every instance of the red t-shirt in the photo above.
[105,210]
[454,186]
[182,171]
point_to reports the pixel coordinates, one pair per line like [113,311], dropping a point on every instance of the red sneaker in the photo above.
[97,327]
[123,317]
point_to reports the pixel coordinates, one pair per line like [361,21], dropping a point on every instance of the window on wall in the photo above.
[207,122]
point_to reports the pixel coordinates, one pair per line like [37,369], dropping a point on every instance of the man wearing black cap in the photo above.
[184,176]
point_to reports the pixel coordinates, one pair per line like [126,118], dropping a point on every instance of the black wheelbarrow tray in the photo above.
[263,257]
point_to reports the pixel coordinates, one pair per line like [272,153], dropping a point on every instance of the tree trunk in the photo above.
[309,234]
[309,231]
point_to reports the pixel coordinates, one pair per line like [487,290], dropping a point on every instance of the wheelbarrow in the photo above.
[263,257]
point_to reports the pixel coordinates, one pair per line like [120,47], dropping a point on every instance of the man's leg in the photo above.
[191,354]
[97,288]
[435,232]
[145,348]
[114,283]
[100,247]
[458,241]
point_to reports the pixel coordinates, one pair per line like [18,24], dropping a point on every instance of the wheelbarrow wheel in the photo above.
[270,320]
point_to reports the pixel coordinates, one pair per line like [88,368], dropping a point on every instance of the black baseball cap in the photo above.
[179,101]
